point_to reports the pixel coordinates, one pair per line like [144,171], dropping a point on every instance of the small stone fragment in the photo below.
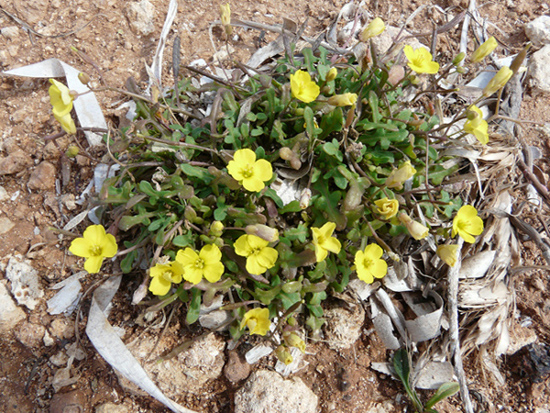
[111,408]
[10,314]
[538,31]
[14,163]
[267,392]
[6,225]
[43,177]
[539,70]
[140,16]
[30,334]
[24,282]
[10,32]
[236,368]
[72,402]
[343,326]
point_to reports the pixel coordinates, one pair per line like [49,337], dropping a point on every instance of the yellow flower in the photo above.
[257,321]
[294,340]
[302,87]
[415,228]
[467,224]
[484,50]
[259,257]
[331,75]
[398,176]
[476,125]
[498,81]
[95,245]
[369,263]
[324,241]
[420,60]
[374,28]
[388,208]
[447,253]
[346,99]
[207,264]
[163,277]
[283,355]
[62,104]
[250,173]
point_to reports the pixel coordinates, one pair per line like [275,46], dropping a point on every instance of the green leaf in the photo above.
[332,148]
[194,306]
[292,206]
[299,233]
[127,262]
[201,173]
[183,241]
[401,366]
[444,391]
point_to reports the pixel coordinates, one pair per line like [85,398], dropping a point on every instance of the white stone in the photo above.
[188,371]
[25,286]
[10,314]
[538,31]
[10,32]
[140,16]
[6,225]
[111,408]
[383,42]
[3,194]
[343,327]
[267,392]
[539,70]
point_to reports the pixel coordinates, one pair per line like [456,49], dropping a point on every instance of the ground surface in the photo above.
[26,371]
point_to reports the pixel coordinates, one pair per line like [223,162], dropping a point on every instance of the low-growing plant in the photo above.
[274,187]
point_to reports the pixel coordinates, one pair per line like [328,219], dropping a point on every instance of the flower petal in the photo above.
[242,247]
[320,253]
[373,251]
[193,275]
[187,257]
[253,265]
[93,264]
[210,254]
[159,286]
[263,170]
[213,272]
[94,234]
[80,247]
[108,246]
[379,268]
[253,184]
[244,157]
[332,244]
[267,257]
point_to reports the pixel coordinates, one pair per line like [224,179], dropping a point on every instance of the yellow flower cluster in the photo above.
[249,172]
[420,60]
[95,245]
[476,125]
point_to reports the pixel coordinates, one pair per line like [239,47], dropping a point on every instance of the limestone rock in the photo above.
[538,31]
[15,162]
[6,225]
[25,286]
[10,32]
[140,16]
[539,70]
[267,392]
[188,371]
[111,408]
[30,334]
[343,326]
[10,314]
[43,177]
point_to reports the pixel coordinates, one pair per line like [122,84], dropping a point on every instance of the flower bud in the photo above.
[286,153]
[346,99]
[331,75]
[283,355]
[216,229]
[387,208]
[354,197]
[498,81]
[484,50]
[398,176]
[294,340]
[448,253]
[84,78]
[225,11]
[416,229]
[374,28]
[459,58]
[305,197]
[263,231]
[396,74]
[72,151]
